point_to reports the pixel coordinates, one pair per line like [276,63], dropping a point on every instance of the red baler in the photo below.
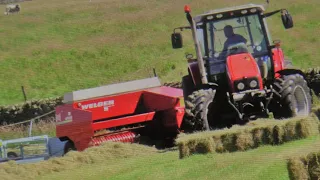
[119,112]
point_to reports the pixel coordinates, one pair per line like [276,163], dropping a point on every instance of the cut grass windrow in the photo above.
[109,152]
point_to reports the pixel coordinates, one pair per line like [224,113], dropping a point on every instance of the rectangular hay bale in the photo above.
[304,166]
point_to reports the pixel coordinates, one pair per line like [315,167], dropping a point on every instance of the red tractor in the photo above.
[238,74]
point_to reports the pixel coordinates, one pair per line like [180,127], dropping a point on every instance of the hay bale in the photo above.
[313,165]
[184,150]
[304,166]
[278,134]
[268,135]
[229,142]
[297,169]
[257,135]
[308,126]
[205,145]
[290,131]
[244,141]
[196,145]
[218,144]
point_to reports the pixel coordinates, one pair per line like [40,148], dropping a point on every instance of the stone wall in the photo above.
[28,110]
[12,1]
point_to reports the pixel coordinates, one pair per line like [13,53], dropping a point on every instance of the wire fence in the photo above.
[31,121]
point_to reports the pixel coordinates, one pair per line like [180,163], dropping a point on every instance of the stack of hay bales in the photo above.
[253,135]
[304,167]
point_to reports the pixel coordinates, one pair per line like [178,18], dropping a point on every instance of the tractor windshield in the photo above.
[225,33]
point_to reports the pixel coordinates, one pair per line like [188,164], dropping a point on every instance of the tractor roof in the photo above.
[228,10]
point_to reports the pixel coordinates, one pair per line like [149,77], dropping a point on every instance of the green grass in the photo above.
[268,162]
[54,47]
[21,131]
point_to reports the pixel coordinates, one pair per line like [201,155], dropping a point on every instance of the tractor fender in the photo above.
[193,69]
[291,71]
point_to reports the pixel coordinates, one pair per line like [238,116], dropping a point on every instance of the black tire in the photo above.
[56,147]
[12,155]
[295,98]
[198,109]
[187,86]
[69,146]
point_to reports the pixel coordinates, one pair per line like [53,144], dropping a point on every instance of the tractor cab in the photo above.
[231,31]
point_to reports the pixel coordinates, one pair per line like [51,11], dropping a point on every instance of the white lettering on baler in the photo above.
[58,117]
[98,104]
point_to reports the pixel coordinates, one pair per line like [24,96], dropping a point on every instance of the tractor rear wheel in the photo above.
[187,86]
[198,109]
[295,98]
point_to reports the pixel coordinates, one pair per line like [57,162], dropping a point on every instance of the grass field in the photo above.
[125,161]
[268,162]
[53,47]
[20,131]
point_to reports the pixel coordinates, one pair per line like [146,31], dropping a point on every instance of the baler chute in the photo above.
[119,112]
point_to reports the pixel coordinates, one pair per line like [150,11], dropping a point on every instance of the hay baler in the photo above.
[119,112]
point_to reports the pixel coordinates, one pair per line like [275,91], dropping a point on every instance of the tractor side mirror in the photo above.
[176,39]
[286,19]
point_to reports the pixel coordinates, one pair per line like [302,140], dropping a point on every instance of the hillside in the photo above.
[53,47]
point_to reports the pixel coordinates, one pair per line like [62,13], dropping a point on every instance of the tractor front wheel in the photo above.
[198,109]
[295,98]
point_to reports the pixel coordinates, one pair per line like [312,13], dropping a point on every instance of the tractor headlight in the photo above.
[240,86]
[253,84]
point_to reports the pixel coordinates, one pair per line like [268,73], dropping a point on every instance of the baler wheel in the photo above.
[198,113]
[69,146]
[295,97]
[12,154]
